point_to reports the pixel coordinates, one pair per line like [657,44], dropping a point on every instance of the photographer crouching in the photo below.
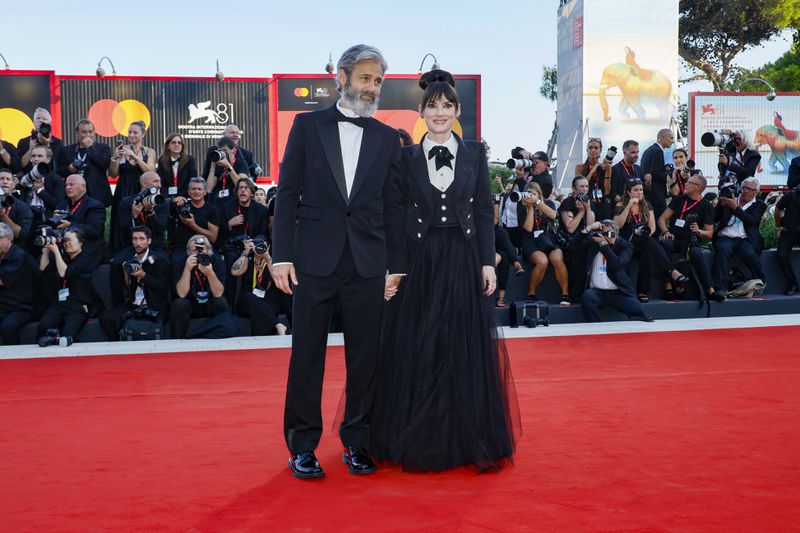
[146,278]
[259,298]
[16,287]
[200,286]
[191,216]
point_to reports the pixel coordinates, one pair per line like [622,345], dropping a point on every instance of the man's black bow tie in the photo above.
[442,155]
[361,122]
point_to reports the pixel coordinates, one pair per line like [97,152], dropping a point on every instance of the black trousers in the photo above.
[361,303]
[504,247]
[263,312]
[724,248]
[593,299]
[184,309]
[516,235]
[69,318]
[695,256]
[11,325]
[786,241]
[653,260]
[576,265]
[657,199]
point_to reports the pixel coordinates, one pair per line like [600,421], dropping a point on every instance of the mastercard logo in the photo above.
[14,125]
[301,92]
[112,118]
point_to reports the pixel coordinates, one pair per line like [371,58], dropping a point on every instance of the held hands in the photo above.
[489,280]
[207,270]
[283,275]
[391,286]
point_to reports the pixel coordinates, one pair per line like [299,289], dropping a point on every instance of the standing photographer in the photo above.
[224,174]
[738,158]
[87,214]
[511,212]
[191,216]
[575,214]
[90,160]
[687,219]
[598,172]
[13,211]
[233,133]
[42,193]
[175,166]
[146,281]
[41,136]
[259,298]
[200,286]
[16,287]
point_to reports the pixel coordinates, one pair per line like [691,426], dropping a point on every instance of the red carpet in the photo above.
[648,432]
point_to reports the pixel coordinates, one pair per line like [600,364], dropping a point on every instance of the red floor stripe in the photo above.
[690,431]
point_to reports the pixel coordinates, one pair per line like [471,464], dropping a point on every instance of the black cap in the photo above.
[541,156]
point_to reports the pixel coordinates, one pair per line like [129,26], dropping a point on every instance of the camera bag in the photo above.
[139,329]
[529,314]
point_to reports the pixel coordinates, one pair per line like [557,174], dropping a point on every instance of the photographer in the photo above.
[626,170]
[787,220]
[189,217]
[8,156]
[41,136]
[511,213]
[175,166]
[224,174]
[656,171]
[598,172]
[687,219]
[738,221]
[540,173]
[90,160]
[684,167]
[575,214]
[146,281]
[13,211]
[75,270]
[607,261]
[505,255]
[42,193]
[637,224]
[259,298]
[739,159]
[87,214]
[538,246]
[200,286]
[233,133]
[16,287]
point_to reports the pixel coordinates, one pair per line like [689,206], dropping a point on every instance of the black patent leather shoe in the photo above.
[358,460]
[305,466]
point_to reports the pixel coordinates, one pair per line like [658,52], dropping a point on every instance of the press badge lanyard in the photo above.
[199,281]
[628,172]
[260,274]
[636,218]
[685,209]
[246,224]
[76,206]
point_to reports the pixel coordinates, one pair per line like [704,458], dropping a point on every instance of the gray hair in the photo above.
[199,237]
[746,138]
[5,231]
[357,54]
[754,183]
[611,223]
[42,110]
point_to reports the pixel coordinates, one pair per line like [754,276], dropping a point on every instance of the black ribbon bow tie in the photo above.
[361,122]
[442,155]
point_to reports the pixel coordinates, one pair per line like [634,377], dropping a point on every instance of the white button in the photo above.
[419,220]
[444,196]
[469,216]
[444,208]
[469,231]
[471,200]
[419,235]
[415,204]
[444,219]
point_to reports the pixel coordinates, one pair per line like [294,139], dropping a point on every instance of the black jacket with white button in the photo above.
[469,194]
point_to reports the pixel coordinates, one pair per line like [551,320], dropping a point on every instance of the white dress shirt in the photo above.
[735,227]
[139,297]
[442,178]
[599,278]
[350,140]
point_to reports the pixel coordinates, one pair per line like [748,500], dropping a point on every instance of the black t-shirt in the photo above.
[16,272]
[198,282]
[77,278]
[180,233]
[225,181]
[569,205]
[791,217]
[540,221]
[682,207]
[626,230]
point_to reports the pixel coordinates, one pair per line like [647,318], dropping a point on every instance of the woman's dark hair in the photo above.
[166,155]
[685,153]
[79,234]
[438,84]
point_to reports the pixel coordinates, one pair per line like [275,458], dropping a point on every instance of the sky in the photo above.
[506,42]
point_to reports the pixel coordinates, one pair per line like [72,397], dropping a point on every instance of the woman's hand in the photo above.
[391,286]
[489,280]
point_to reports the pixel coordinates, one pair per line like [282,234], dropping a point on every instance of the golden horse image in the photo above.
[638,87]
[783,149]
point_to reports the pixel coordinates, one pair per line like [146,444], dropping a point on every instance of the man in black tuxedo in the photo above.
[90,160]
[82,211]
[739,160]
[343,168]
[40,137]
[655,172]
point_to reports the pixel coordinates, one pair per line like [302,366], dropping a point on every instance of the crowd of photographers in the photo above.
[179,244]
[643,207]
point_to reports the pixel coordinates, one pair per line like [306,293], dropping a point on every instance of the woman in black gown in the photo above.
[444,392]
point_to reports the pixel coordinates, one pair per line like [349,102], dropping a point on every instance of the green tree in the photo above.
[783,74]
[549,88]
[713,33]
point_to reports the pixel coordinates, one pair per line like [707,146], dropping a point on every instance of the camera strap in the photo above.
[247,222]
[200,278]
[76,206]
[636,218]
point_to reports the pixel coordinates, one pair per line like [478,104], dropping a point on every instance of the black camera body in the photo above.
[669,168]
[641,230]
[185,211]
[259,245]
[690,219]
[44,130]
[6,200]
[203,259]
[142,313]
[80,165]
[132,267]
[46,235]
[216,155]
[582,197]
[52,337]
[728,187]
[57,219]
[237,242]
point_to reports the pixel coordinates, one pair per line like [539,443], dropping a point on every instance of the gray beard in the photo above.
[356,104]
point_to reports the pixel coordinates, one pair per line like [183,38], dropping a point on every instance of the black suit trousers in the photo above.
[361,303]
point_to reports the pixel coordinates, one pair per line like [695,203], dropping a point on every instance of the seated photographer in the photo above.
[241,218]
[233,133]
[538,246]
[787,220]
[575,214]
[259,298]
[75,270]
[637,224]
[175,166]
[87,214]
[656,171]
[146,281]
[607,261]
[626,170]
[738,158]
[42,191]
[687,219]
[191,216]
[200,286]
[505,256]
[16,287]
[224,174]
[683,168]
[90,160]
[598,172]
[41,137]
[13,211]
[738,221]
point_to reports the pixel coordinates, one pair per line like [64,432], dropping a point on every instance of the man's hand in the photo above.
[283,275]
[179,201]
[139,274]
[188,221]
[489,280]
[37,185]
[248,246]
[64,224]
[667,236]
[136,209]
[238,220]
[694,228]
[606,164]
[392,285]
[207,270]
[191,262]
[599,239]
[729,202]
[86,142]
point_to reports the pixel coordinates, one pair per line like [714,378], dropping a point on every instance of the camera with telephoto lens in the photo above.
[46,235]
[599,232]
[216,155]
[715,138]
[151,194]
[581,197]
[237,242]
[185,211]
[520,163]
[37,173]
[52,337]
[641,230]
[611,153]
[669,168]
[259,245]
[6,200]
[517,196]
[44,130]
[728,187]
[132,267]
[142,312]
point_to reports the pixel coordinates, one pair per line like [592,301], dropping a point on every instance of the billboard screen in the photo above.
[21,92]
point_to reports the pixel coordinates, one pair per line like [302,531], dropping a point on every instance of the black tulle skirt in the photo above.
[444,394]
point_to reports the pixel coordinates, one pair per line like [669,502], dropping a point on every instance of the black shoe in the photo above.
[792,291]
[669,295]
[305,466]
[358,460]
[531,298]
[716,297]
[643,318]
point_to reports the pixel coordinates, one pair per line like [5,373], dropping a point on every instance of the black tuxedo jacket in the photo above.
[90,216]
[618,257]
[56,146]
[747,169]
[750,217]
[314,216]
[185,173]
[652,162]
[471,188]
[98,158]
[156,281]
